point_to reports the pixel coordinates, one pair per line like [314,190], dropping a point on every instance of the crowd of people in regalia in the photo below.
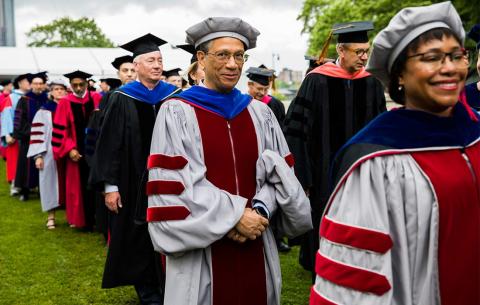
[197,186]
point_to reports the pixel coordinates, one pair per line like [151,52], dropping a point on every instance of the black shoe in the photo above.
[283,247]
[23,197]
[149,295]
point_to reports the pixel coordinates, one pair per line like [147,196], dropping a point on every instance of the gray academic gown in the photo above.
[393,200]
[40,144]
[213,212]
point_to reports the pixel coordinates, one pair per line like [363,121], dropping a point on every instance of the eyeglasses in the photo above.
[223,56]
[360,52]
[435,59]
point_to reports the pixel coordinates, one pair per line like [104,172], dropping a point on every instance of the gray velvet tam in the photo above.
[404,27]
[217,27]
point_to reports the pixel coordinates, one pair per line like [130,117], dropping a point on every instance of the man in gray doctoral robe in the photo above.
[219,169]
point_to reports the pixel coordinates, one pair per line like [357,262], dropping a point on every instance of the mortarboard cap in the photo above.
[352,32]
[117,62]
[42,75]
[142,45]
[474,34]
[312,61]
[217,27]
[78,74]
[190,49]
[172,72]
[259,75]
[404,27]
[19,78]
[114,83]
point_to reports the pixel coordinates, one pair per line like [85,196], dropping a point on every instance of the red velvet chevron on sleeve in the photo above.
[350,276]
[164,187]
[166,162]
[164,213]
[356,237]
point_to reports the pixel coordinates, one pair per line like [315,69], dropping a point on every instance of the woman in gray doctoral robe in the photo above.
[40,148]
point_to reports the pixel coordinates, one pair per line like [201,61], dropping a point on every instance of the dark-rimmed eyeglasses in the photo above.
[360,52]
[223,56]
[435,59]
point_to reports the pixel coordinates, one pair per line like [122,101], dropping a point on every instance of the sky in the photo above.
[123,20]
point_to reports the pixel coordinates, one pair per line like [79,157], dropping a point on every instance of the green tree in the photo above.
[67,32]
[318,16]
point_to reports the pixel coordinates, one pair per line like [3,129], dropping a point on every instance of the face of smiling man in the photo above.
[223,63]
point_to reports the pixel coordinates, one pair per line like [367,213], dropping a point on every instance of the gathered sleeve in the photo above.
[285,193]
[21,125]
[6,117]
[38,135]
[185,210]
[63,140]
[277,186]
[376,239]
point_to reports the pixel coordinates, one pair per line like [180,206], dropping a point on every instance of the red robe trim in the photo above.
[355,236]
[331,69]
[164,213]
[164,187]
[317,299]
[351,277]
[459,235]
[231,152]
[290,160]
[166,162]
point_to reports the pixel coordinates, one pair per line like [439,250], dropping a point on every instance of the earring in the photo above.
[400,88]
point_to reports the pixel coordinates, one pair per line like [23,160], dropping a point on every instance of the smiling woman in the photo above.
[397,217]
[430,73]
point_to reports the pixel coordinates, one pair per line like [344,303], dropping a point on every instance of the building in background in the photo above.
[290,76]
[7,23]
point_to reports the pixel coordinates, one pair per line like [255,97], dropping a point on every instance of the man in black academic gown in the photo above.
[120,160]
[258,87]
[26,176]
[333,103]
[173,77]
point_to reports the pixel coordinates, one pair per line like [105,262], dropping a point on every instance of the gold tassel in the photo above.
[324,51]
[321,57]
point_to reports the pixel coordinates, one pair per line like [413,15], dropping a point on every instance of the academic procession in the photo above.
[180,187]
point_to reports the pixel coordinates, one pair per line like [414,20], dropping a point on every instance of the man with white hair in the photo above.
[120,162]
[219,169]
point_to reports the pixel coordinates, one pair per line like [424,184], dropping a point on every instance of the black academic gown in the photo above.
[123,146]
[26,176]
[91,134]
[326,112]
[278,109]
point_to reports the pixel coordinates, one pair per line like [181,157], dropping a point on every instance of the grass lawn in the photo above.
[65,266]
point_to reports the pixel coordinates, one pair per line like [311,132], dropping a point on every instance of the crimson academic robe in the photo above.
[69,125]
[330,107]
[26,176]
